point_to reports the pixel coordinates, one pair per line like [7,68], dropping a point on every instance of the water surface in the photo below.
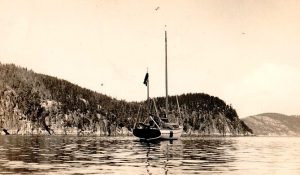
[125,155]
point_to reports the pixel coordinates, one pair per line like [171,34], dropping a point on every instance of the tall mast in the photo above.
[148,99]
[166,73]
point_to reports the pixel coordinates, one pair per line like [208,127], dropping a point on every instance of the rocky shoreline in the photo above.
[32,103]
[54,122]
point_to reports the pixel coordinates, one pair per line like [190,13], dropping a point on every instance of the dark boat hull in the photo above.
[147,133]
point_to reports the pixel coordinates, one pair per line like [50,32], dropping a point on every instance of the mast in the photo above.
[178,109]
[166,73]
[148,99]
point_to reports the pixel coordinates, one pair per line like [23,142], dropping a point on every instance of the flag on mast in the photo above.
[146,79]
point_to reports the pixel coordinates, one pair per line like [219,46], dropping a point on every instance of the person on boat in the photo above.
[152,124]
[108,127]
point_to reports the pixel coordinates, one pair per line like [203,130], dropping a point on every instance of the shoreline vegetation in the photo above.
[32,103]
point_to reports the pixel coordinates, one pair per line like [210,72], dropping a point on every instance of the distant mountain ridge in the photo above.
[32,103]
[274,124]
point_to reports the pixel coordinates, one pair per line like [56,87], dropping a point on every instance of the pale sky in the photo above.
[244,51]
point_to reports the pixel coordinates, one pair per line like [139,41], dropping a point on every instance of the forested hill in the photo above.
[32,103]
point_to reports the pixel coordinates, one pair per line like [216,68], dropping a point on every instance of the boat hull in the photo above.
[168,134]
[147,133]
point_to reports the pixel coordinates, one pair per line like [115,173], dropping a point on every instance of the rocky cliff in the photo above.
[274,124]
[32,103]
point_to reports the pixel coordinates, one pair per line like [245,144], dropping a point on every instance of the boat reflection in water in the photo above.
[158,155]
[188,156]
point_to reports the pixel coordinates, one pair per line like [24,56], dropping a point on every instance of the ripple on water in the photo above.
[117,155]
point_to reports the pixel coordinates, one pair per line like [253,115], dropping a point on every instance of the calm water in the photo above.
[119,155]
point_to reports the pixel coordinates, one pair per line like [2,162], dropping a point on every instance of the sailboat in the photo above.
[157,127]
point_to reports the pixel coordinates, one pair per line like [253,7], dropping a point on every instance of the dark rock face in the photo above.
[274,124]
[205,115]
[33,103]
[219,125]
[51,120]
